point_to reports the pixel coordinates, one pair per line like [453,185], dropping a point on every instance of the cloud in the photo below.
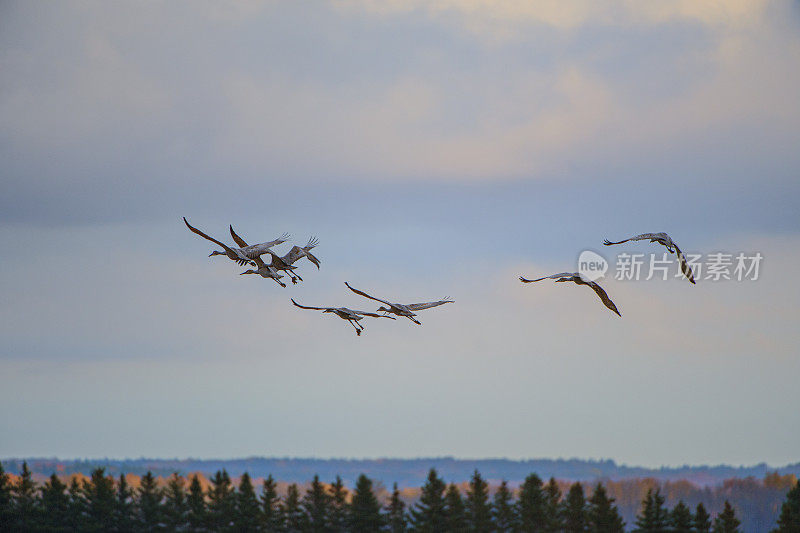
[500,18]
[98,97]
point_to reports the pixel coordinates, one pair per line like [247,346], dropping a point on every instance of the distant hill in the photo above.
[406,472]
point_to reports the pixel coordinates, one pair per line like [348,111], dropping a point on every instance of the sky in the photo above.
[434,148]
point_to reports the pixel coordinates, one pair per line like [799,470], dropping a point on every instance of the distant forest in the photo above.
[195,502]
[405,472]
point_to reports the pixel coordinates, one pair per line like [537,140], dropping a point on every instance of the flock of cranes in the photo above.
[250,254]
[575,277]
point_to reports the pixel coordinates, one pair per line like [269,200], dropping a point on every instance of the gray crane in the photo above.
[344,313]
[666,240]
[265,271]
[576,278]
[253,250]
[286,263]
[234,254]
[406,310]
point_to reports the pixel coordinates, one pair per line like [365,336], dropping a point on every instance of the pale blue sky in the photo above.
[435,148]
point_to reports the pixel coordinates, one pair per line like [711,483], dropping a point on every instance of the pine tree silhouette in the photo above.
[681,518]
[248,514]
[726,522]
[479,510]
[149,511]
[197,515]
[789,519]
[316,503]
[702,520]
[531,506]
[395,513]
[339,511]
[54,505]
[24,500]
[295,518]
[427,515]
[100,501]
[270,506]
[573,510]
[365,510]
[6,503]
[504,510]
[77,506]
[602,516]
[176,505]
[123,506]
[654,517]
[454,510]
[553,506]
[221,502]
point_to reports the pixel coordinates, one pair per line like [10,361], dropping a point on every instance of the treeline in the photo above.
[105,503]
[407,472]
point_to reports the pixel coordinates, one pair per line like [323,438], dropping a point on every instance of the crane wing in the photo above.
[603,296]
[365,295]
[642,237]
[368,313]
[298,252]
[685,268]
[312,258]
[428,305]
[294,254]
[554,276]
[198,232]
[238,240]
[307,307]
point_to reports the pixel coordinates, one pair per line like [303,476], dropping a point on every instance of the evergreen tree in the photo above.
[395,513]
[149,511]
[339,512]
[197,516]
[77,506]
[702,520]
[221,502]
[789,519]
[315,505]
[479,510]
[293,512]
[505,516]
[427,515]
[100,501]
[54,506]
[654,517]
[602,516]
[6,501]
[532,506]
[176,505]
[573,510]
[270,505]
[726,522]
[123,506]
[681,518]
[24,500]
[553,506]
[454,510]
[365,509]
[248,516]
